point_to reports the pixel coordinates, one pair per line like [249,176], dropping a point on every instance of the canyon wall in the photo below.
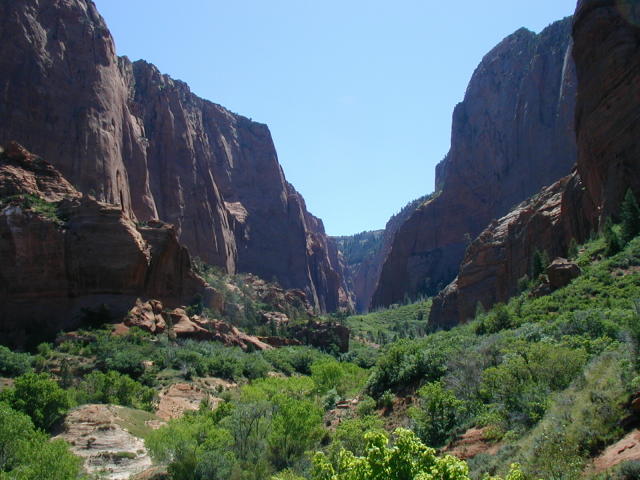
[362,269]
[512,135]
[65,254]
[130,136]
[606,36]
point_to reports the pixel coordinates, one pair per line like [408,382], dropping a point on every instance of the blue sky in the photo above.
[358,94]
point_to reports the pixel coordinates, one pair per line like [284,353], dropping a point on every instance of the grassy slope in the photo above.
[383,326]
[547,376]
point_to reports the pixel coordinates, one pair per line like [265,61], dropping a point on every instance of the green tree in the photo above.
[438,414]
[249,424]
[296,428]
[572,251]
[26,454]
[611,239]
[13,364]
[115,388]
[539,263]
[630,216]
[40,397]
[194,447]
[407,459]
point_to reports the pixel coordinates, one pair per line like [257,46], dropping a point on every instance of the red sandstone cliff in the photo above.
[606,36]
[503,252]
[512,134]
[66,252]
[131,136]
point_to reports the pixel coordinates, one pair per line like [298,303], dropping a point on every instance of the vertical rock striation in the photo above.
[607,55]
[512,134]
[136,138]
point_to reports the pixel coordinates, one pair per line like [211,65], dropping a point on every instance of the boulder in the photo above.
[147,316]
[561,271]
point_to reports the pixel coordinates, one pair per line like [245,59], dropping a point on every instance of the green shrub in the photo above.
[406,362]
[350,434]
[498,319]
[408,458]
[345,378]
[386,400]
[26,454]
[40,397]
[194,448]
[629,470]
[612,242]
[366,406]
[115,388]
[438,415]
[519,387]
[14,364]
[630,217]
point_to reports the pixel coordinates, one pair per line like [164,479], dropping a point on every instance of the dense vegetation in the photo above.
[356,248]
[546,379]
[387,325]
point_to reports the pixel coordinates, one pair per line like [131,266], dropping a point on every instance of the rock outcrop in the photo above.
[561,272]
[606,35]
[130,136]
[63,253]
[503,252]
[323,335]
[150,316]
[512,135]
[178,398]
[96,435]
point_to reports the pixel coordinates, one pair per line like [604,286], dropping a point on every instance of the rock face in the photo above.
[107,449]
[136,138]
[360,253]
[512,134]
[606,35]
[62,252]
[503,252]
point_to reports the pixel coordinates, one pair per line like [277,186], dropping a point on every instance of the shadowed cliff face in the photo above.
[66,252]
[606,36]
[512,134]
[136,138]
[607,55]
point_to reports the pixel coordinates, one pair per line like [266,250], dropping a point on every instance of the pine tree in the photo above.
[611,239]
[630,215]
[539,264]
[572,251]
